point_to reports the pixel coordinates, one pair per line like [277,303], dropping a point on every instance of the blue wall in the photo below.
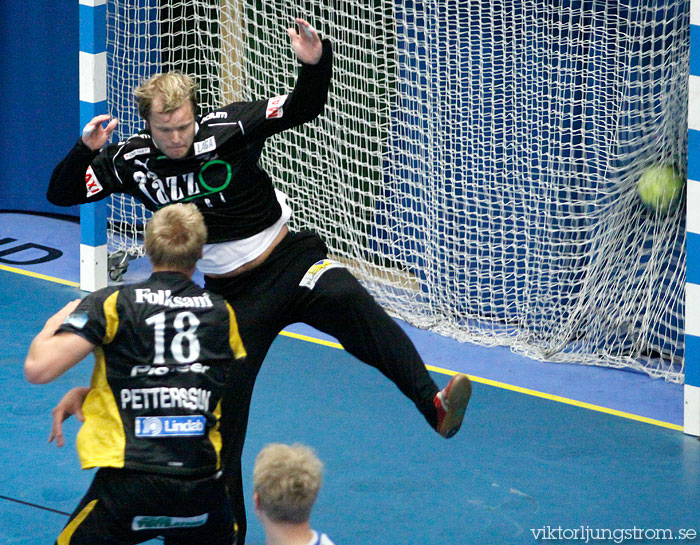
[39,106]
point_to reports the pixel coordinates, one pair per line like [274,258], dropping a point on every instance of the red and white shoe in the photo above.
[451,403]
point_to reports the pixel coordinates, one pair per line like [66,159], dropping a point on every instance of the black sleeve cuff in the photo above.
[326,57]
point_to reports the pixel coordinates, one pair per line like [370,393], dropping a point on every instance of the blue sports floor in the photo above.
[547,453]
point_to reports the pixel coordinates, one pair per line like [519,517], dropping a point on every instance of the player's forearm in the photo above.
[37,365]
[67,184]
[261,118]
[51,354]
[310,93]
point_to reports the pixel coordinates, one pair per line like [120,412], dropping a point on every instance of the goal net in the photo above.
[476,164]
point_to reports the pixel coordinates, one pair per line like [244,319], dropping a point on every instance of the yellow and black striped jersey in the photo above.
[165,351]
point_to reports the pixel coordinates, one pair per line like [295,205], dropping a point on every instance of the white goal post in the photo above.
[476,164]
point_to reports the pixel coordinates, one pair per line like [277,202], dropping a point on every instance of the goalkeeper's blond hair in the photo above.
[173,88]
[175,236]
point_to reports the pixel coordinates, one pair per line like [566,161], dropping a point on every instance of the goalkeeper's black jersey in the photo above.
[220,174]
[165,351]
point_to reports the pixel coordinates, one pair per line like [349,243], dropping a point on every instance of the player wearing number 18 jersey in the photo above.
[165,352]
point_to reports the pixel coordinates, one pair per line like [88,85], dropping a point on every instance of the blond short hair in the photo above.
[173,88]
[175,236]
[287,479]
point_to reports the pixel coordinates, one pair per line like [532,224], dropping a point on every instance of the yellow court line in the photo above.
[311,339]
[40,276]
[518,389]
[489,382]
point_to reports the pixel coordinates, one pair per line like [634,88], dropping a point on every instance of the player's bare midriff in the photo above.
[258,260]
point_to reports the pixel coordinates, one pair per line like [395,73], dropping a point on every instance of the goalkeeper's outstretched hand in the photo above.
[305,42]
[95,135]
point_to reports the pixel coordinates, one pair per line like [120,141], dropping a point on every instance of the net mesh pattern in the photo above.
[476,164]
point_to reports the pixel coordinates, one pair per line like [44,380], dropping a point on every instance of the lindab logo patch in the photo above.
[92,184]
[169,426]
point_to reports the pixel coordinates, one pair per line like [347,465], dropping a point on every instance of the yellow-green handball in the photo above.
[660,188]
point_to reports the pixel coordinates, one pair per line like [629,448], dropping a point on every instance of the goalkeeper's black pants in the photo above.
[269,297]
